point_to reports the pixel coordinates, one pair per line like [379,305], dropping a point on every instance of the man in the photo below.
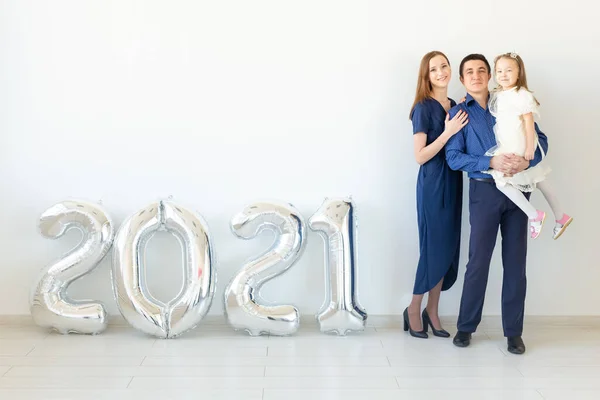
[489,210]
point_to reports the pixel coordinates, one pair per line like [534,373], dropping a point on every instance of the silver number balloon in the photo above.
[136,304]
[50,305]
[241,309]
[340,313]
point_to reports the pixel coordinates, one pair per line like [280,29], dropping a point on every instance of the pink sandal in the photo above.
[536,224]
[561,225]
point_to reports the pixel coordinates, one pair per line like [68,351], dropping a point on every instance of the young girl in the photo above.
[513,105]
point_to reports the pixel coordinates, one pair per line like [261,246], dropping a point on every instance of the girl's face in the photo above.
[507,73]
[439,72]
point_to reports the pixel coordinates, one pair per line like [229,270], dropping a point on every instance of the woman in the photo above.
[439,194]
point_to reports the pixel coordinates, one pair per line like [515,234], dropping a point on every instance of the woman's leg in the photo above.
[414,313]
[433,302]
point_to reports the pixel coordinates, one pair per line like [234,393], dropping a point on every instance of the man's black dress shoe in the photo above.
[515,345]
[462,339]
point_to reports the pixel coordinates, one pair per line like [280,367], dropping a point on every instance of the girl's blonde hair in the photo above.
[522,77]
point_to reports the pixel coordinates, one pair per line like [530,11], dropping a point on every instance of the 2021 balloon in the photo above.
[334,221]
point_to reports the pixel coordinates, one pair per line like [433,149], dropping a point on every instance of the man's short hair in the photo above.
[472,57]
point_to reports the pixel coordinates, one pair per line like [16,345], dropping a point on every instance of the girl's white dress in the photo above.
[508,106]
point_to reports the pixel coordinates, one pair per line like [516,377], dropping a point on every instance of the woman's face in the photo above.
[439,72]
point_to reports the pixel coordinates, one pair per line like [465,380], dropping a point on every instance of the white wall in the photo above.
[219,103]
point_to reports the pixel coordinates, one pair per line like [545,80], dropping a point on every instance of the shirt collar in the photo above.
[469,99]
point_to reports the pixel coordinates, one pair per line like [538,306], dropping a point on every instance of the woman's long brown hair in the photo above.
[424,89]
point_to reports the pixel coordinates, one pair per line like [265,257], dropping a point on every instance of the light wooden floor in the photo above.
[214,362]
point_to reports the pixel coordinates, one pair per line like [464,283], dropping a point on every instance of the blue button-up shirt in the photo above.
[466,150]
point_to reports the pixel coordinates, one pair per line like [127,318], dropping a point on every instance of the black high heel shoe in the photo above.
[421,334]
[427,323]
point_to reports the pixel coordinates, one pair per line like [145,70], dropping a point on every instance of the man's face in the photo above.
[475,76]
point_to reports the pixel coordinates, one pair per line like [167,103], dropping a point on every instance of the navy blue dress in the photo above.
[439,206]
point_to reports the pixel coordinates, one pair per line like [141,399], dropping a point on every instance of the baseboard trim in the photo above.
[373,321]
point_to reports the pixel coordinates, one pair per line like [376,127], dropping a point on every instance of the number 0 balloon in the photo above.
[136,304]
